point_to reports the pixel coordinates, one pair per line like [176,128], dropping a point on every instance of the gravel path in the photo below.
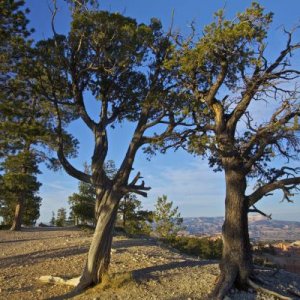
[140,269]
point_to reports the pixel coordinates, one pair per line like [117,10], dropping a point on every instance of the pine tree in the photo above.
[128,87]
[134,220]
[167,219]
[19,189]
[226,73]
[26,119]
[61,217]
[82,204]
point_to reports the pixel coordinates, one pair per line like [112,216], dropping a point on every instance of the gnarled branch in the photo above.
[285,184]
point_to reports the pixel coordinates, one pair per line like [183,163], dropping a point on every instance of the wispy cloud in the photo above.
[195,188]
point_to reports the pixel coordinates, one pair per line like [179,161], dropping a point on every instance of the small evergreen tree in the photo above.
[83,203]
[61,217]
[167,219]
[134,220]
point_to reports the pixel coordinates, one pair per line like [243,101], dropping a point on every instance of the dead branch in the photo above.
[284,184]
[256,210]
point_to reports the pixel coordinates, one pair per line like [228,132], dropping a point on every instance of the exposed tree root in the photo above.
[58,280]
[266,291]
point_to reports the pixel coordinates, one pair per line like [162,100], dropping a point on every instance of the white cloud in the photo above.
[195,188]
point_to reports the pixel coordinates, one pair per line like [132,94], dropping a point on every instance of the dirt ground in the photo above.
[140,269]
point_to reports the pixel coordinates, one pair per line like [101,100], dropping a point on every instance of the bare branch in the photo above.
[285,185]
[53,15]
[257,80]
[214,105]
[136,178]
[70,169]
[256,210]
[137,189]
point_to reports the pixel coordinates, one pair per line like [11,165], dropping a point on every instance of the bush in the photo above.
[201,247]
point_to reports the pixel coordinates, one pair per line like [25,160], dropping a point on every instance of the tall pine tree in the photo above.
[26,121]
[19,190]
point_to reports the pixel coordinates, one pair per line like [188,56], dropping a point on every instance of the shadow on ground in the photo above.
[35,257]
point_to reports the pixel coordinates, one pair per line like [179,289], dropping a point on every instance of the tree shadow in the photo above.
[147,273]
[32,239]
[133,243]
[144,274]
[43,229]
[35,257]
[68,295]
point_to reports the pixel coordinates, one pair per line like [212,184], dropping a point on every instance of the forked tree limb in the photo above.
[70,169]
[254,209]
[267,188]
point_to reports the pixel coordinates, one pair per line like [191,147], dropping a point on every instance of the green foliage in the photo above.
[202,247]
[19,184]
[167,219]
[82,204]
[226,71]
[134,220]
[26,118]
[234,41]
[61,217]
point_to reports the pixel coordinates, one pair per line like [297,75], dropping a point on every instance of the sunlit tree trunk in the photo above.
[236,263]
[99,253]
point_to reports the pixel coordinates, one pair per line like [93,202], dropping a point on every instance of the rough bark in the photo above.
[236,263]
[98,259]
[17,222]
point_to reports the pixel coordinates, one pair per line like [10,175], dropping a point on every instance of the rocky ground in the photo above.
[140,269]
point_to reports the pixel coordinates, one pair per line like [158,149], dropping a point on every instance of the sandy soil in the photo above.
[140,269]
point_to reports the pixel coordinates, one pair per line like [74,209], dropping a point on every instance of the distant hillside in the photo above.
[260,227]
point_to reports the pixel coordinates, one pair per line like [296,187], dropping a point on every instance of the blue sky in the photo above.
[187,180]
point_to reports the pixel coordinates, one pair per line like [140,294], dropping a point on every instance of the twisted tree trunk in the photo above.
[236,263]
[98,259]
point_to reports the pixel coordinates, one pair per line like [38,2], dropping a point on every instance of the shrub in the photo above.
[201,247]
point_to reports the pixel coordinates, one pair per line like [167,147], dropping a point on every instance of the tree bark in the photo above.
[236,263]
[17,222]
[98,259]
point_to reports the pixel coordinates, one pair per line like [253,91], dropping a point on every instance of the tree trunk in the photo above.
[99,253]
[236,263]
[124,212]
[17,222]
